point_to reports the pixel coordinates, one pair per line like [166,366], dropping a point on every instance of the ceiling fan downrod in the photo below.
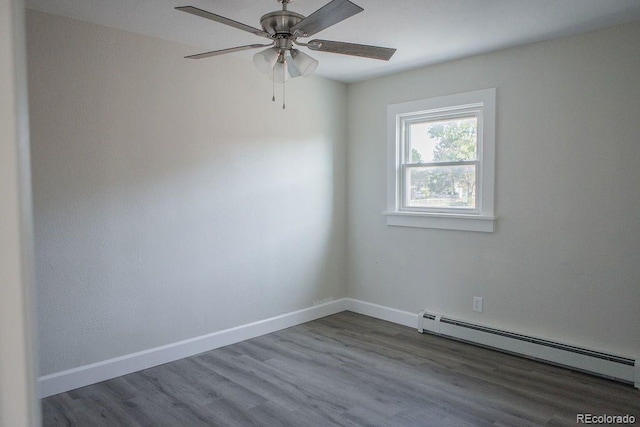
[284,3]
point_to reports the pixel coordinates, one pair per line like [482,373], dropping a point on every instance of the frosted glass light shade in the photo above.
[305,64]
[280,73]
[293,71]
[265,60]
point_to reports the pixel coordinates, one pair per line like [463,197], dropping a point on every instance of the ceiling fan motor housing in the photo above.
[279,23]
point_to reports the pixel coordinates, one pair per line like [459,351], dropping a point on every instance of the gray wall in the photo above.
[564,262]
[172,198]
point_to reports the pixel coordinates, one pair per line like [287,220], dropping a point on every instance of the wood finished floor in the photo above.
[345,369]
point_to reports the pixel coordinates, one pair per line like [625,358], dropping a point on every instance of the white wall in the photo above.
[172,198]
[564,262]
[18,406]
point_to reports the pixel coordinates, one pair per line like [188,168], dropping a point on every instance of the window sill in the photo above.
[462,222]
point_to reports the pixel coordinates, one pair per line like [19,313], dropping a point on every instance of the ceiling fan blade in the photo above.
[223,51]
[366,51]
[221,19]
[328,15]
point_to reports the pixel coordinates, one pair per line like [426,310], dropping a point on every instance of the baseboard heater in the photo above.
[611,366]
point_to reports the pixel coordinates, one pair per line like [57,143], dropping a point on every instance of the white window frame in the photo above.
[480,104]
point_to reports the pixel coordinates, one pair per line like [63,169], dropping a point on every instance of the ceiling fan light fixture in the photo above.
[293,71]
[280,74]
[305,64]
[266,59]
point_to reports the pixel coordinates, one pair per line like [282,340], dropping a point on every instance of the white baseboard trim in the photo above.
[383,313]
[82,376]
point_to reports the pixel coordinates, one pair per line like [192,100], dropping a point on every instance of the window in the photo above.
[441,162]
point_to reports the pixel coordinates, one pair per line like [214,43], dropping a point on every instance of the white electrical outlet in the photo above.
[477,304]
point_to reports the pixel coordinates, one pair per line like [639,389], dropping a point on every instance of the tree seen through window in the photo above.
[442,157]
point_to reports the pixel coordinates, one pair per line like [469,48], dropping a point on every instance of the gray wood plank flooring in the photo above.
[345,370]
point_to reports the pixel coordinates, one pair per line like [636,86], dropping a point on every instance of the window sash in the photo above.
[406,121]
[453,113]
[405,190]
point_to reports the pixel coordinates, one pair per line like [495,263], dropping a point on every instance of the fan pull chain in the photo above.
[273,85]
[284,75]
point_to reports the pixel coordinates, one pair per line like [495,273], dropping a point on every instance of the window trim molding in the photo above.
[484,219]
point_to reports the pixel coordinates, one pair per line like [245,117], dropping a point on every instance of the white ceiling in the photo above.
[425,32]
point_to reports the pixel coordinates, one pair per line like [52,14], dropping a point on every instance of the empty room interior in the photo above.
[434,219]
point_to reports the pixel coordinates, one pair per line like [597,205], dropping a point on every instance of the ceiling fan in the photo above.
[283,28]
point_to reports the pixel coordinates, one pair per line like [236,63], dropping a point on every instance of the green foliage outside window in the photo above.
[447,186]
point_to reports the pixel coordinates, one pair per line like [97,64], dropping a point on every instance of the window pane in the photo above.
[448,140]
[451,187]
